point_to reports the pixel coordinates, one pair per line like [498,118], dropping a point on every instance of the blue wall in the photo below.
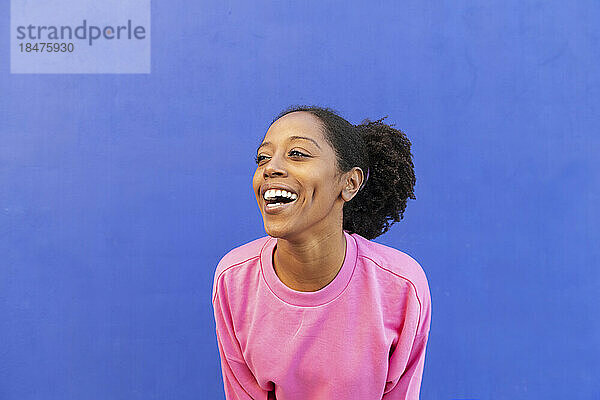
[120,193]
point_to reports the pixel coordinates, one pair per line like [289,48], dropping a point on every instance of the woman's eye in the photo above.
[293,153]
[296,153]
[259,158]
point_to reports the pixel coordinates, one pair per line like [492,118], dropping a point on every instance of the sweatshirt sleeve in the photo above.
[407,361]
[408,385]
[238,380]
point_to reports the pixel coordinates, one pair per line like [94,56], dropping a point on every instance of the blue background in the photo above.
[120,193]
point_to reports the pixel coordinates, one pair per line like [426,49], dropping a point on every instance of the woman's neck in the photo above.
[311,263]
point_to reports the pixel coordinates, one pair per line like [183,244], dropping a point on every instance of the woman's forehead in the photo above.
[294,126]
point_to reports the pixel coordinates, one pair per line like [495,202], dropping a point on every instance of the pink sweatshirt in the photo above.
[363,336]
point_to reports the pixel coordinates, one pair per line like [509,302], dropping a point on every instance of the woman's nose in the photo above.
[275,167]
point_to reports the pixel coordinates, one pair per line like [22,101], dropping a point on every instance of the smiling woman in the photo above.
[315,309]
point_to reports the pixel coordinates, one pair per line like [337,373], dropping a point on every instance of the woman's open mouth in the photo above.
[277,200]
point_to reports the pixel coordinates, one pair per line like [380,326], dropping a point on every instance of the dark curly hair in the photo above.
[383,153]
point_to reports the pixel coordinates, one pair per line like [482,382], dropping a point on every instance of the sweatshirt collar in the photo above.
[308,299]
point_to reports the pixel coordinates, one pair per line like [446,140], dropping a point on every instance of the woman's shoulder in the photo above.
[397,266]
[384,253]
[394,261]
[239,256]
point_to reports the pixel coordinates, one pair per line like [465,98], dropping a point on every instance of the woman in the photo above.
[315,310]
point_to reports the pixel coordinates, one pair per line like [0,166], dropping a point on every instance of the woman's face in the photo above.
[295,157]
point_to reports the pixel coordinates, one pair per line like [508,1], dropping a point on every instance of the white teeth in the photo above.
[271,193]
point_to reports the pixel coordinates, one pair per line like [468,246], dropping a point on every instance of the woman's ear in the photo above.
[354,180]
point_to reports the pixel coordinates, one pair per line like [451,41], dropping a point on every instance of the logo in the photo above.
[83,32]
[80,36]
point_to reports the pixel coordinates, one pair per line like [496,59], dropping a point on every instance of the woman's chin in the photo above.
[276,230]
[276,233]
